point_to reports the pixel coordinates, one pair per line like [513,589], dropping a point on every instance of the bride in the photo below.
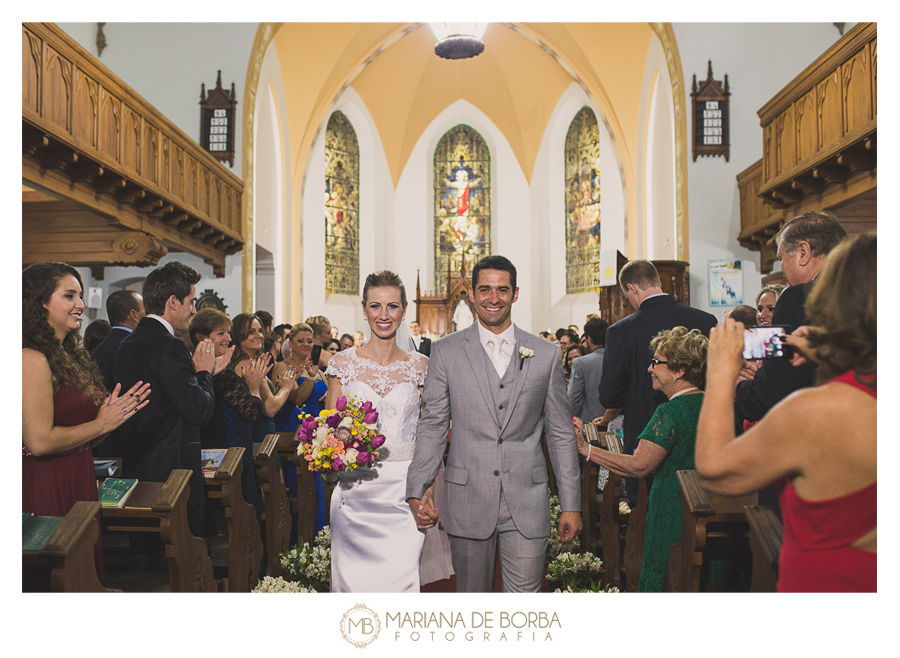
[376,544]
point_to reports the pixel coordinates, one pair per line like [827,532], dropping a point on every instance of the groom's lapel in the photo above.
[476,354]
[522,340]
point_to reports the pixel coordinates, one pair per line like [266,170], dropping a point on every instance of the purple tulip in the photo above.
[371,417]
[363,458]
[341,403]
[303,435]
[309,424]
[337,464]
[367,407]
[333,420]
[377,441]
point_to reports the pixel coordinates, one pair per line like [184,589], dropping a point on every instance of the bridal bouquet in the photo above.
[340,440]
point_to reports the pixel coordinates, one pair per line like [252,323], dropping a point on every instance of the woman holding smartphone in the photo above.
[307,398]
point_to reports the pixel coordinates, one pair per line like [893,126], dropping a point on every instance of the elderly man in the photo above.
[803,243]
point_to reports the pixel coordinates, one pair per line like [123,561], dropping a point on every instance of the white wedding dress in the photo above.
[375,544]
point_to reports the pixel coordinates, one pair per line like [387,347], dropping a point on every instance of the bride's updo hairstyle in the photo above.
[384,279]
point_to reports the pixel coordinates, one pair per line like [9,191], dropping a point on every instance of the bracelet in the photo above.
[590,447]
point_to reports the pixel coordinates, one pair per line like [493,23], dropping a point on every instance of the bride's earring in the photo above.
[674,379]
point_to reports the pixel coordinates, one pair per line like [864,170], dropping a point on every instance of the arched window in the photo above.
[462,202]
[582,155]
[341,207]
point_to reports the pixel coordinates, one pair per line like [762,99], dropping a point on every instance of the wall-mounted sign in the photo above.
[726,282]
[709,103]
[217,121]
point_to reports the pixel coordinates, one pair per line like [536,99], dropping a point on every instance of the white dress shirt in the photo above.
[507,345]
[165,323]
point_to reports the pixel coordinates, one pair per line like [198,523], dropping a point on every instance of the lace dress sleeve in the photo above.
[662,427]
[235,393]
[421,369]
[337,367]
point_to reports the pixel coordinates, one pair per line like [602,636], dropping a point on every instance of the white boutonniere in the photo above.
[524,353]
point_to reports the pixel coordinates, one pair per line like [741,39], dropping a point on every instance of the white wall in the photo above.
[760,59]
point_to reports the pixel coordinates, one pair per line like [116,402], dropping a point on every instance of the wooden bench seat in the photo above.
[64,561]
[243,548]
[704,515]
[766,538]
[162,508]
[277,507]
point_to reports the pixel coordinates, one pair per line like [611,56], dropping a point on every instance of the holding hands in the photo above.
[117,409]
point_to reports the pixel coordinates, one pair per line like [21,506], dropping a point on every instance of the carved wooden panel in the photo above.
[177,171]
[831,116]
[784,140]
[807,129]
[769,151]
[31,71]
[164,164]
[857,91]
[108,137]
[84,109]
[874,52]
[56,90]
[131,138]
[150,161]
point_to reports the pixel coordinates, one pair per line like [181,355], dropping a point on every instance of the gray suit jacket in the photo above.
[489,446]
[583,385]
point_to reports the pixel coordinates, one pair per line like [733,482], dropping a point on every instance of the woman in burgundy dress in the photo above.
[818,444]
[65,411]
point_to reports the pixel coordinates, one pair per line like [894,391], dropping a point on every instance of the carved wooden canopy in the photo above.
[116,181]
[434,310]
[820,143]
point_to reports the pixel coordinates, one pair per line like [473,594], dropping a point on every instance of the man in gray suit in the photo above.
[586,371]
[500,386]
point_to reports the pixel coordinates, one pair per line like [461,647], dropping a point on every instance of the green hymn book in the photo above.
[114,492]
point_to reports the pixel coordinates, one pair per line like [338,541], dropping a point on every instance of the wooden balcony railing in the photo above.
[88,138]
[819,141]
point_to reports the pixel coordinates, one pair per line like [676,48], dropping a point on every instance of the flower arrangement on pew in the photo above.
[577,572]
[340,440]
[307,568]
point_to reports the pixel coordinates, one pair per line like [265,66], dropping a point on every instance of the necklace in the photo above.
[682,391]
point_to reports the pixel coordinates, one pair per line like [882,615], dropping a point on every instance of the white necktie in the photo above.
[496,354]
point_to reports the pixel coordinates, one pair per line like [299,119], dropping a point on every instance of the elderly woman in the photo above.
[825,473]
[666,445]
[765,304]
[247,338]
[236,408]
[64,411]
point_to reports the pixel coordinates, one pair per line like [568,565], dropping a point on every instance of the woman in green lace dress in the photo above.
[678,370]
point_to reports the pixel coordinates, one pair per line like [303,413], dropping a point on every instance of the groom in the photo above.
[500,386]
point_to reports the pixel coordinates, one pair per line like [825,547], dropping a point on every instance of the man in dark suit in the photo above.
[803,243]
[157,441]
[625,381]
[125,308]
[421,343]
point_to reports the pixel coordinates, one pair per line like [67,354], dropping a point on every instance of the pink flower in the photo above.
[341,404]
[371,417]
[366,407]
[337,464]
[363,458]
[310,424]
[303,435]
[377,441]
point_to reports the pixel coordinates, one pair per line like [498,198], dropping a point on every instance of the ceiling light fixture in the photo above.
[458,40]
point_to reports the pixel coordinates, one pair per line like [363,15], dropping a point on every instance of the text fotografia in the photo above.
[479,626]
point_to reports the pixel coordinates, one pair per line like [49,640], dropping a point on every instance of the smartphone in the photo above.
[766,343]
[316,354]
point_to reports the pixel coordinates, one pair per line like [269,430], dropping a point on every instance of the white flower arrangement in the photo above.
[577,572]
[309,565]
[269,585]
[526,352]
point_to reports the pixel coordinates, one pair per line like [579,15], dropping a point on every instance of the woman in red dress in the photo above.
[825,470]
[64,410]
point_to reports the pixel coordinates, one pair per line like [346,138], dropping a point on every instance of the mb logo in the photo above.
[360,626]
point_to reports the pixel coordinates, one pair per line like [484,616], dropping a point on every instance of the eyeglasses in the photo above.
[655,362]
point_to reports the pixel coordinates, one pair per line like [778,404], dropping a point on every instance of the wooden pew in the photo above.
[244,547]
[162,507]
[286,445]
[610,535]
[704,515]
[766,537]
[64,561]
[633,552]
[276,504]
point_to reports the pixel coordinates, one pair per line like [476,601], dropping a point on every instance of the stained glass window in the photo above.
[341,207]
[582,154]
[462,202]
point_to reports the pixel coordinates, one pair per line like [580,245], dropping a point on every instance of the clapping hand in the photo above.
[255,372]
[204,356]
[287,379]
[222,361]
[117,409]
